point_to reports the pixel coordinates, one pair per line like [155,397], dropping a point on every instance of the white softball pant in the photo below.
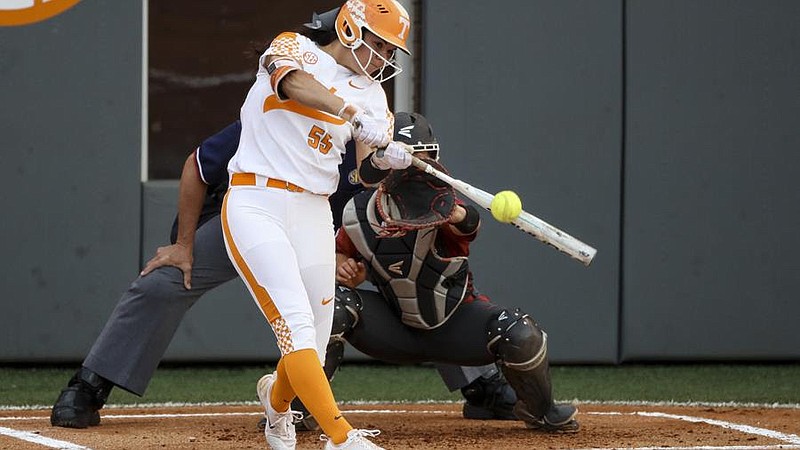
[282,245]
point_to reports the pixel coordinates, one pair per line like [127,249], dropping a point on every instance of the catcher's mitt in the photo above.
[411,199]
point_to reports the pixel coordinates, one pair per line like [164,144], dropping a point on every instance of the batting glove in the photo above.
[394,157]
[365,128]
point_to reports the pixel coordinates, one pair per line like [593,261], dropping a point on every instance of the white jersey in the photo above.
[292,142]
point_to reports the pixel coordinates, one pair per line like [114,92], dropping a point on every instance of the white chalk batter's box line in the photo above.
[792,439]
[428,402]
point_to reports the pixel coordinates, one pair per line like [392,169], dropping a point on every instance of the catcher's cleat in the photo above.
[79,403]
[489,398]
[558,419]
[279,429]
[356,440]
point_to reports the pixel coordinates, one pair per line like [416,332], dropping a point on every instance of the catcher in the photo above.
[410,237]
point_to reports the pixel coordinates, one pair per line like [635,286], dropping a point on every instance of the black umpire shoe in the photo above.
[557,419]
[79,403]
[489,398]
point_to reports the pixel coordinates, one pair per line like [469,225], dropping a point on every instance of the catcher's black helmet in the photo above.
[413,129]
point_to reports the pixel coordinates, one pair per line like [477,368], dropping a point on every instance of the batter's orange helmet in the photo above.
[385,18]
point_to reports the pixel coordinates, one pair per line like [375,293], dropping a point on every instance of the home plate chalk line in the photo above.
[792,439]
[788,438]
[41,440]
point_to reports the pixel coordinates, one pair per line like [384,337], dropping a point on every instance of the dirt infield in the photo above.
[426,426]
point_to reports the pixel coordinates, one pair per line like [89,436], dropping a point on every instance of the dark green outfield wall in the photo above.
[664,133]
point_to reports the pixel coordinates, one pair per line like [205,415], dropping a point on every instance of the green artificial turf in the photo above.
[744,383]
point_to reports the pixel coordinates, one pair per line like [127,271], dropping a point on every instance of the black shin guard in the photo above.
[334,354]
[521,347]
[533,387]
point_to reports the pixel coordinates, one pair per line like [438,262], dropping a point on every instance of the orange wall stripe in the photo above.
[272,102]
[262,296]
[36,13]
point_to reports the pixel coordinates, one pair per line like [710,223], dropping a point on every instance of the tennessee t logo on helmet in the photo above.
[387,19]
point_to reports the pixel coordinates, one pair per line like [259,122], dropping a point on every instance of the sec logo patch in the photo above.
[24,12]
[352,177]
[310,58]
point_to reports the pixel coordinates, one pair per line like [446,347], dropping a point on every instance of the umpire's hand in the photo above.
[177,255]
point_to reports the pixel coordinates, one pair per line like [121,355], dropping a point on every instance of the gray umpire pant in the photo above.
[142,325]
[144,321]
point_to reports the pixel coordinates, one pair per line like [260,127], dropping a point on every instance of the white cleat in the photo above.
[280,426]
[356,440]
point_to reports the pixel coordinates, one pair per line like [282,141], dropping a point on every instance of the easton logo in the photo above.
[396,267]
[24,12]
[406,131]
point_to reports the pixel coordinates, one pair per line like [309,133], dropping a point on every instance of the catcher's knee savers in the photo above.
[521,350]
[346,311]
[516,340]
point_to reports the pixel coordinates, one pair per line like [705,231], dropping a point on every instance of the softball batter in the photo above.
[313,93]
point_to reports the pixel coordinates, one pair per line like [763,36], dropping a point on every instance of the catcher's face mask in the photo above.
[411,199]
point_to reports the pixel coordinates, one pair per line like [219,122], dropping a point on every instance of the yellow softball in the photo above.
[506,206]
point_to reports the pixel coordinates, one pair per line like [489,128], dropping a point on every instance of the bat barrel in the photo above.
[526,222]
[558,239]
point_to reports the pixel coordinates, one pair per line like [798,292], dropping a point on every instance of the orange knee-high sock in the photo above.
[282,392]
[309,382]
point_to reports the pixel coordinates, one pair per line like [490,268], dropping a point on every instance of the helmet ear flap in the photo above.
[348,32]
[387,20]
